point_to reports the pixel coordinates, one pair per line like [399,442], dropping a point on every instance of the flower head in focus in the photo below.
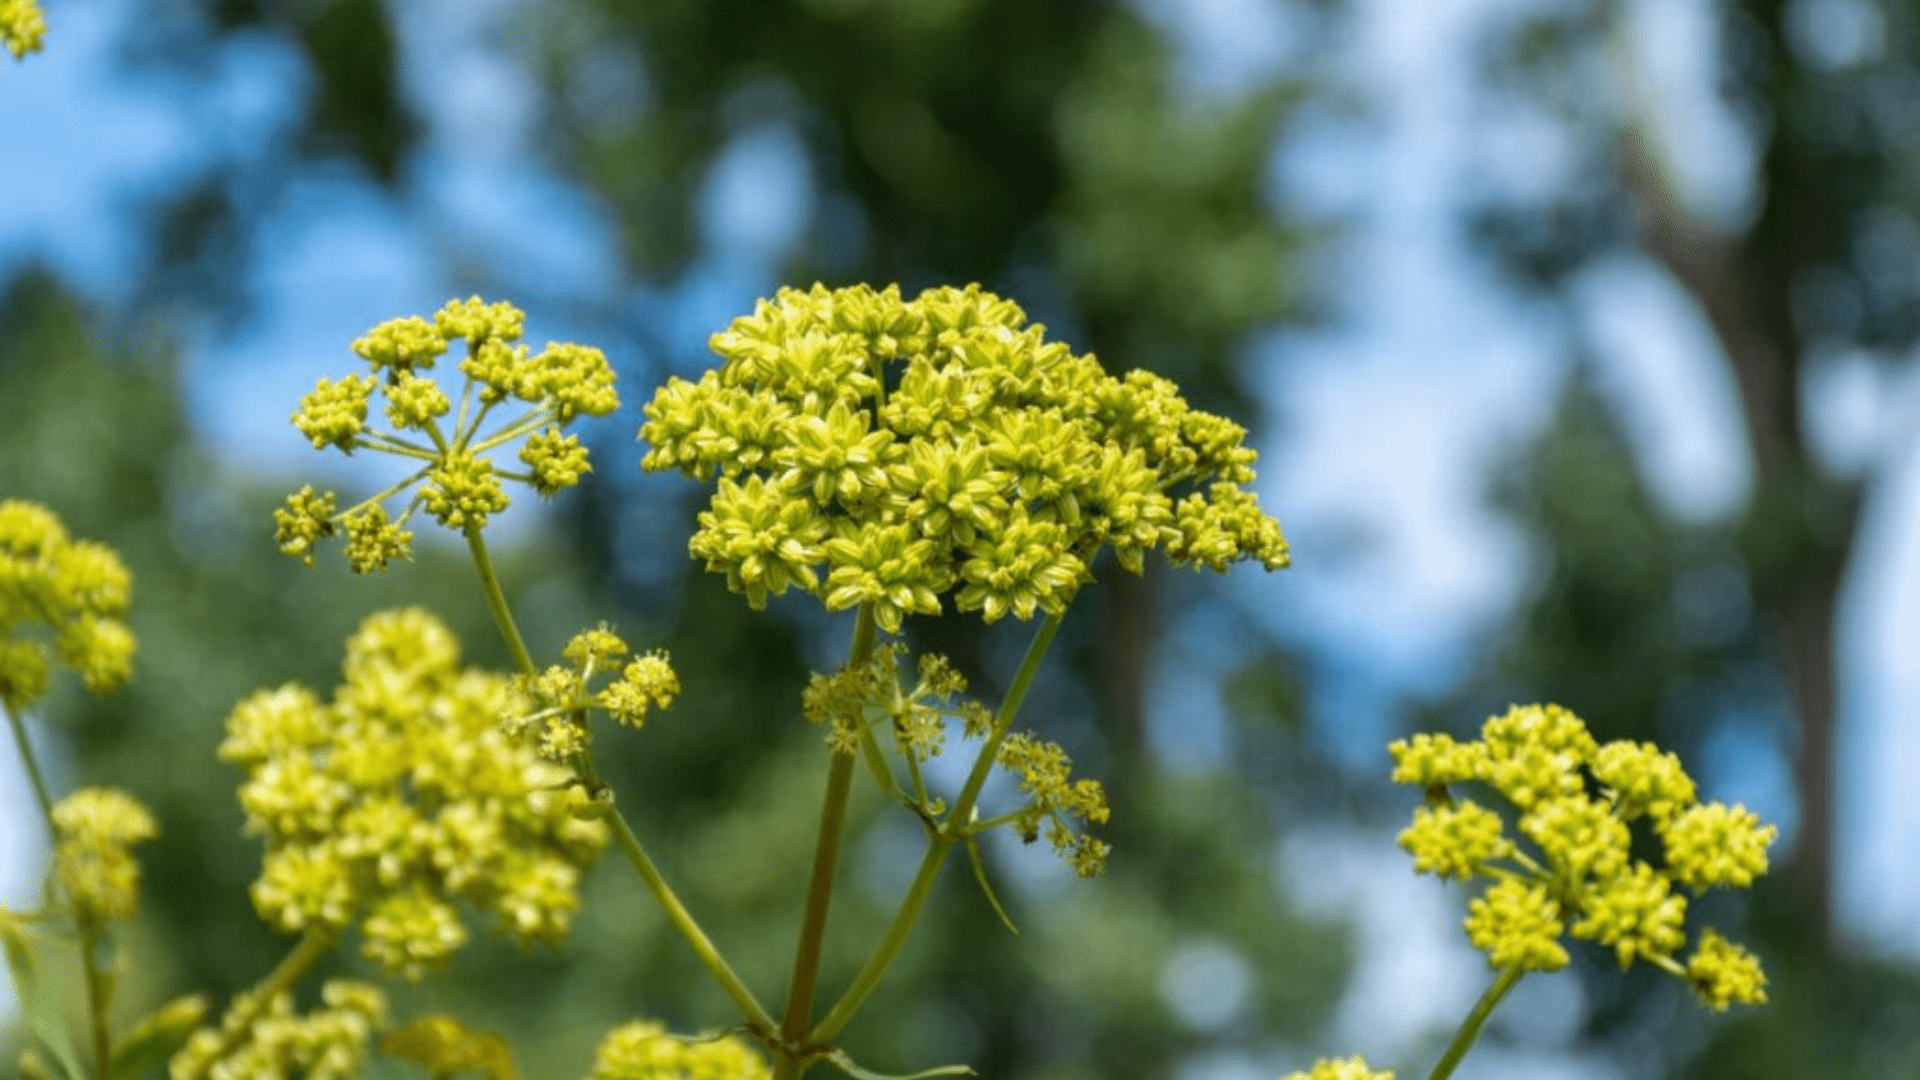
[915,454]
[457,480]
[401,796]
[554,704]
[1572,868]
[74,593]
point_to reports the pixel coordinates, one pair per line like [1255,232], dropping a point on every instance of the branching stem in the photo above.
[826,856]
[954,831]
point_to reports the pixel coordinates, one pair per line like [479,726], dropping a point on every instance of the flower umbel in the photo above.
[1575,800]
[989,477]
[456,479]
[402,795]
[553,707]
[73,592]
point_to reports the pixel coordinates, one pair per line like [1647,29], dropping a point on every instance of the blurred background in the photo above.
[1577,336]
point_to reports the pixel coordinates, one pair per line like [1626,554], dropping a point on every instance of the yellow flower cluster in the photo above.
[874,450]
[458,484]
[642,1050]
[858,700]
[553,715]
[329,1043]
[94,833]
[1055,800]
[76,591]
[872,693]
[21,27]
[403,794]
[1353,1068]
[1575,801]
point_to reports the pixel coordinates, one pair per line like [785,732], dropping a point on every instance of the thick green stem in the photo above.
[96,997]
[1470,1028]
[683,921]
[937,848]
[826,856]
[278,981]
[497,600]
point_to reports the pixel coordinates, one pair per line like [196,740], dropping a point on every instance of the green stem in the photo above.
[96,997]
[1470,1028]
[278,981]
[526,424]
[826,854]
[950,834]
[1002,723]
[683,921]
[89,934]
[656,883]
[40,795]
[497,600]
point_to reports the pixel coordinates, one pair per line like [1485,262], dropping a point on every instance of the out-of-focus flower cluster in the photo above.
[857,702]
[908,454]
[75,591]
[458,484]
[329,1043]
[642,1050]
[444,1046]
[94,833]
[21,27]
[1353,1068]
[401,795]
[1575,800]
[553,713]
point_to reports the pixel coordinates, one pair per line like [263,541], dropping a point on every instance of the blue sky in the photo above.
[1390,414]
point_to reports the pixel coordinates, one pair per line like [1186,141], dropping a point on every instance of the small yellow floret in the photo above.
[648,683]
[463,491]
[1636,914]
[1644,780]
[1353,1068]
[1717,844]
[400,345]
[1434,760]
[1517,924]
[1723,973]
[1453,841]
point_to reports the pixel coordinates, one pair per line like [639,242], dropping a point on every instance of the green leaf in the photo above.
[846,1065]
[980,875]
[157,1038]
[39,997]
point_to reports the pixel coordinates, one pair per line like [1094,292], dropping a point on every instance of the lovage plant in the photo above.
[892,458]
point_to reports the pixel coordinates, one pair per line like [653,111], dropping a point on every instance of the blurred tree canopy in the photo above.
[1654,626]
